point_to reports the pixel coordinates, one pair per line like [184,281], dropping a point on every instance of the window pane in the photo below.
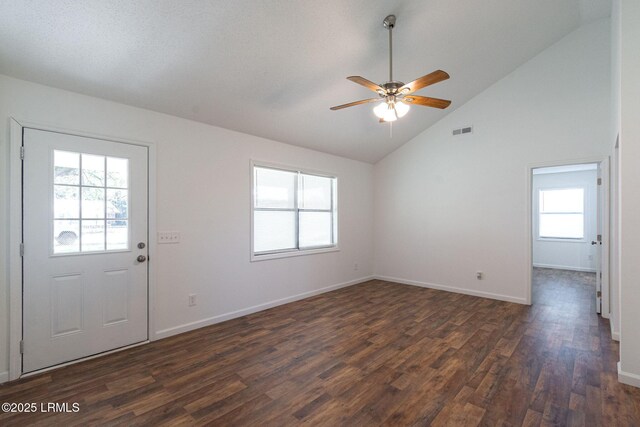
[568,200]
[274,188]
[274,230]
[315,192]
[117,204]
[568,226]
[117,235]
[315,229]
[92,170]
[66,167]
[66,203]
[117,172]
[92,202]
[92,235]
[65,236]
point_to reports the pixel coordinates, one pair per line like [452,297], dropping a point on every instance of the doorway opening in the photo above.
[569,230]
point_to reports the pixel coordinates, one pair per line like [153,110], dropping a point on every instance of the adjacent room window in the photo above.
[561,213]
[293,211]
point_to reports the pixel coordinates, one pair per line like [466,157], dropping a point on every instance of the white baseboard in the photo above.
[565,267]
[164,333]
[465,291]
[628,378]
[4,377]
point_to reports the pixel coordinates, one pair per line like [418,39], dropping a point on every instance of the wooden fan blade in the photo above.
[366,83]
[351,104]
[424,81]
[426,101]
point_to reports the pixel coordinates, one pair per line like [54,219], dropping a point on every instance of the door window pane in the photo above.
[316,192]
[274,230]
[117,203]
[93,170]
[90,203]
[66,235]
[66,167]
[117,235]
[315,229]
[274,188]
[92,235]
[117,172]
[66,203]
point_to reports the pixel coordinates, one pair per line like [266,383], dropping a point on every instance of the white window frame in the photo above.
[284,253]
[583,213]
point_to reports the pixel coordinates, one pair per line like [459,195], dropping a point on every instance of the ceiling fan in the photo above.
[395,97]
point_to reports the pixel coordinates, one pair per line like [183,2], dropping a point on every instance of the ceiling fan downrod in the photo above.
[390,22]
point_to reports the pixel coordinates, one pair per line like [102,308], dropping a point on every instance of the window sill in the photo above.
[288,254]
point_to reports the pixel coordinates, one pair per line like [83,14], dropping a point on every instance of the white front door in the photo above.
[85,234]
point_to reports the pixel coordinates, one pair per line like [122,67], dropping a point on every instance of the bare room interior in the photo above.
[338,213]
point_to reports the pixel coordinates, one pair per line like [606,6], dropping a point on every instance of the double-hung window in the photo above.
[294,212]
[561,213]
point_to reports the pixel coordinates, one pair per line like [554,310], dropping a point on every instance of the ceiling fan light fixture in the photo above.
[402,109]
[380,110]
[390,114]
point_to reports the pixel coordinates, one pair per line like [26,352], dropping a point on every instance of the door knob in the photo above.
[141,258]
[593,242]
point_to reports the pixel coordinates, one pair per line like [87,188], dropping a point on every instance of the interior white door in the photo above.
[85,233]
[598,241]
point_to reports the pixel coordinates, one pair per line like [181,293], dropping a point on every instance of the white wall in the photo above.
[567,255]
[203,191]
[630,192]
[446,207]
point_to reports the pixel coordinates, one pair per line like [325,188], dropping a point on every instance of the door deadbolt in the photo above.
[141,245]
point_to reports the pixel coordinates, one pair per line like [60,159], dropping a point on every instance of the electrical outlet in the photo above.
[168,237]
[192,300]
[355,267]
[479,275]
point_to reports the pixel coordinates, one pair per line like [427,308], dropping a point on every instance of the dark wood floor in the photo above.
[375,353]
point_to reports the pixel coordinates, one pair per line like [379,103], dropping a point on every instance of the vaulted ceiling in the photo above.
[273,68]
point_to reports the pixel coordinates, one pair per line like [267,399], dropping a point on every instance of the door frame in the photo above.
[604,163]
[15,265]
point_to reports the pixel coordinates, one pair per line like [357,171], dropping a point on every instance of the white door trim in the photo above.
[604,164]
[15,232]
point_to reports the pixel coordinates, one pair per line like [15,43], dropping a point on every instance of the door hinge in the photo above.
[599,181]
[21,249]
[21,347]
[22,152]
[599,294]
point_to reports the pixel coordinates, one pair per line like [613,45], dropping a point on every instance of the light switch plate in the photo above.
[168,237]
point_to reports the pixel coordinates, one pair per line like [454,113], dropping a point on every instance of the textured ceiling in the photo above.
[273,68]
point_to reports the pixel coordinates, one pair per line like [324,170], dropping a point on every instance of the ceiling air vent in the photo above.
[462,131]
